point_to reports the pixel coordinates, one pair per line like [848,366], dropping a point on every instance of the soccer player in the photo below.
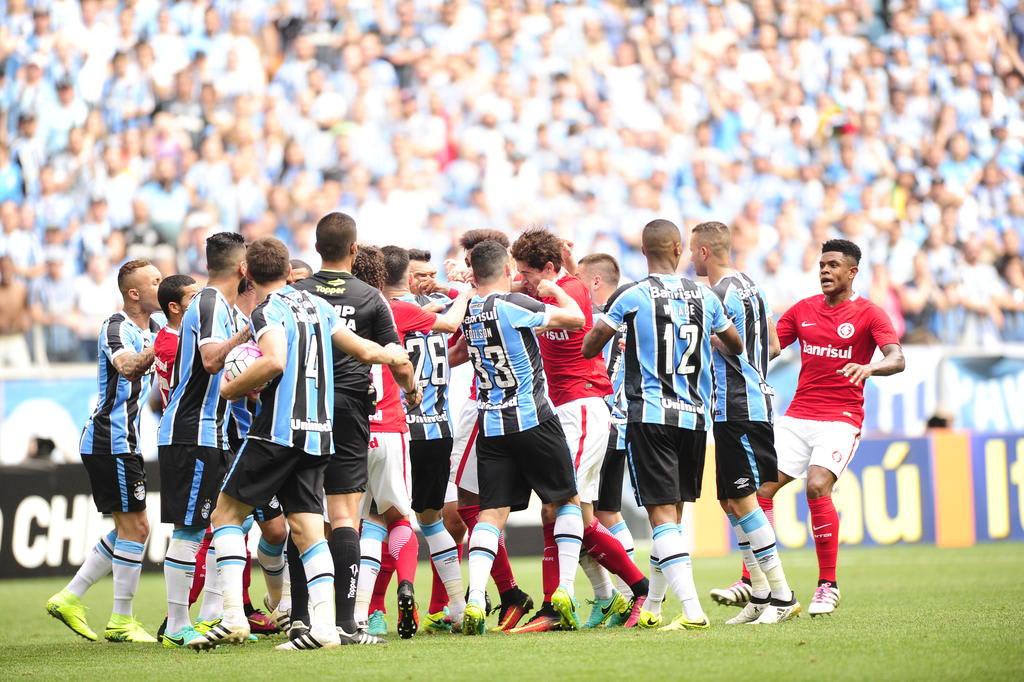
[288,444]
[365,312]
[600,273]
[174,294]
[112,459]
[300,270]
[744,440]
[514,602]
[668,378]
[193,441]
[521,444]
[838,333]
[578,388]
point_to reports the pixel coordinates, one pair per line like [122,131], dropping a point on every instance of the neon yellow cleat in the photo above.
[473,620]
[436,623]
[680,623]
[203,626]
[69,609]
[127,629]
[649,621]
[567,609]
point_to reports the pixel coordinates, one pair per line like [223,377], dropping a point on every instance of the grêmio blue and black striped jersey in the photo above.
[240,411]
[617,400]
[296,408]
[669,323]
[195,413]
[113,427]
[512,394]
[742,391]
[429,356]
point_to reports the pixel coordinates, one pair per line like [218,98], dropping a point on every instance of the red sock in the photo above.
[199,577]
[767,505]
[247,575]
[380,588]
[825,528]
[403,548]
[438,592]
[609,552]
[549,565]
[469,515]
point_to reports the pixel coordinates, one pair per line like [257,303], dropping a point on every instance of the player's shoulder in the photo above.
[628,289]
[517,299]
[403,308]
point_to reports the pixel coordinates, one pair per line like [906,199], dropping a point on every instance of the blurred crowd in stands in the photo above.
[139,127]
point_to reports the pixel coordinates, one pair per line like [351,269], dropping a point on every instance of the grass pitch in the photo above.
[907,613]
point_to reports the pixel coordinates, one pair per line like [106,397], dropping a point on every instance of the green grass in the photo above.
[907,613]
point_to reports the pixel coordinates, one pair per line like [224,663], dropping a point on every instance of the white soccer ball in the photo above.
[239,358]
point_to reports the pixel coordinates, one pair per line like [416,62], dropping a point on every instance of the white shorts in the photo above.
[389,480]
[801,443]
[586,423]
[464,449]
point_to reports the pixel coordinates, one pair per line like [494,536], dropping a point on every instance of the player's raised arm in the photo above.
[597,338]
[450,321]
[566,313]
[273,346]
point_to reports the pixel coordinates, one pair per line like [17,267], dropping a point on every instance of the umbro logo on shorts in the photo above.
[741,482]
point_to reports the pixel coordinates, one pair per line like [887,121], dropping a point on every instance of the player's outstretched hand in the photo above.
[397,355]
[855,373]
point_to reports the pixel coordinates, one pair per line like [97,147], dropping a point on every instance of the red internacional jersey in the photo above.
[831,338]
[570,375]
[390,415]
[165,348]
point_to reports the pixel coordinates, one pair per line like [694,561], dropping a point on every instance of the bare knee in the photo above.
[454,524]
[274,531]
[819,483]
[133,527]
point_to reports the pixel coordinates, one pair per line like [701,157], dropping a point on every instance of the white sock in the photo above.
[658,586]
[759,587]
[483,547]
[229,542]
[444,554]
[621,532]
[569,540]
[319,567]
[597,576]
[179,569]
[765,552]
[272,562]
[286,586]
[96,565]
[675,564]
[127,567]
[371,543]
[212,607]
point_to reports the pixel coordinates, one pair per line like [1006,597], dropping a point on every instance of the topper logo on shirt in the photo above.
[845,330]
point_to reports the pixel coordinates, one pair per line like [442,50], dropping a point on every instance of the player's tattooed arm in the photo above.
[134,366]
[892,362]
[213,354]
[597,338]
[567,313]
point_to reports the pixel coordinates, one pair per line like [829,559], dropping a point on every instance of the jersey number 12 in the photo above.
[689,333]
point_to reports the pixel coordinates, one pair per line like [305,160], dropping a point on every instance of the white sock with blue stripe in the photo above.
[621,532]
[569,540]
[179,568]
[759,587]
[765,551]
[212,607]
[371,541]
[483,547]
[272,562]
[319,567]
[675,564]
[96,565]
[127,567]
[444,554]
[658,586]
[229,544]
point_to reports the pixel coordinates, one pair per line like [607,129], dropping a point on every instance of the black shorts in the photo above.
[510,466]
[666,463]
[268,512]
[744,457]
[118,482]
[190,478]
[431,468]
[346,471]
[609,496]
[264,469]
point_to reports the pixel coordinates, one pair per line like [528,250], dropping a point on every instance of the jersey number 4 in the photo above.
[503,377]
[689,333]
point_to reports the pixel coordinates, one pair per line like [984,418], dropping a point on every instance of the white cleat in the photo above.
[307,642]
[737,594]
[282,617]
[825,600]
[779,613]
[227,633]
[750,613]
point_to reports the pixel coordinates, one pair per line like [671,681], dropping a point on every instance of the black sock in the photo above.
[344,544]
[640,588]
[297,575]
